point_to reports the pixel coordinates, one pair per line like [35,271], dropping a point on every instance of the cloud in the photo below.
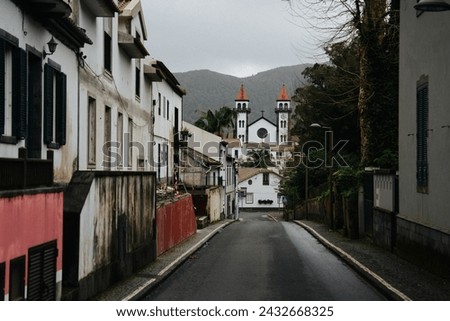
[237,37]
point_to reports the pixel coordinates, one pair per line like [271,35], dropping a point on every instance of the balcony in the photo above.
[21,173]
[132,46]
[101,8]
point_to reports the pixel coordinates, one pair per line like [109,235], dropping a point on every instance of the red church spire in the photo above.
[283,95]
[242,94]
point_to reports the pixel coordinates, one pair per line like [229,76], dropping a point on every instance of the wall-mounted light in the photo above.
[432,5]
[51,47]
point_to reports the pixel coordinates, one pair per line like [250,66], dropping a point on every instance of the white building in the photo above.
[423,224]
[167,119]
[259,189]
[115,98]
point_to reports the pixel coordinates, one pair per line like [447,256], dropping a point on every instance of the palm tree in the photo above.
[217,122]
[261,158]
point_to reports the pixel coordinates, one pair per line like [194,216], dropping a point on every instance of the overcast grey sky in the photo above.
[235,37]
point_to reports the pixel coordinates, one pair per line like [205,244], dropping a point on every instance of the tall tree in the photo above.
[373,26]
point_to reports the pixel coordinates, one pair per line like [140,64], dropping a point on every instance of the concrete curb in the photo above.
[374,278]
[171,267]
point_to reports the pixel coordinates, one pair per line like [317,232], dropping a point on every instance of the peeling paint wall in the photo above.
[109,228]
[175,222]
[214,206]
[27,220]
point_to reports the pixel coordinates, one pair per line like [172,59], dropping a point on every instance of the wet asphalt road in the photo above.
[260,259]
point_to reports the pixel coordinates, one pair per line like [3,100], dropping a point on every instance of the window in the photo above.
[107,58]
[422,135]
[130,142]
[107,139]
[159,104]
[55,87]
[17,279]
[249,198]
[138,83]
[168,108]
[265,178]
[13,82]
[92,128]
[120,138]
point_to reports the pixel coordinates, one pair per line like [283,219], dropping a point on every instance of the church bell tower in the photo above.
[242,110]
[283,111]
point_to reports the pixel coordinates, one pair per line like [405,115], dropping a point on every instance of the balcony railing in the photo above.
[21,173]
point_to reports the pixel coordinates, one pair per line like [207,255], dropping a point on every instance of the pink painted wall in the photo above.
[27,221]
[175,222]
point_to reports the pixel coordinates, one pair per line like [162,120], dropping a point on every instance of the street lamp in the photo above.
[432,5]
[329,163]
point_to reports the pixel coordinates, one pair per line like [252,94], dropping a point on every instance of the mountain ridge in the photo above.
[207,89]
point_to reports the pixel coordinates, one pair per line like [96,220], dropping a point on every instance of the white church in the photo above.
[263,130]
[259,187]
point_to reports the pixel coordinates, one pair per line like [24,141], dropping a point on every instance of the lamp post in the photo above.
[432,5]
[329,164]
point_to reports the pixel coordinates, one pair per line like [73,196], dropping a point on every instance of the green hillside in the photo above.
[211,90]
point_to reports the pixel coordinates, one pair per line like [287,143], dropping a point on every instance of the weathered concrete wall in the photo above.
[175,222]
[214,206]
[424,246]
[28,219]
[116,227]
[384,228]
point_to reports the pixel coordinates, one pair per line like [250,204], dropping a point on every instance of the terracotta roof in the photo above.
[248,172]
[283,95]
[242,94]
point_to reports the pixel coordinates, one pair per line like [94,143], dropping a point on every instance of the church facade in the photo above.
[259,186]
[263,130]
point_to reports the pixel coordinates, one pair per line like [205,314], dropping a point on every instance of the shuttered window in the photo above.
[55,101]
[42,272]
[13,90]
[422,137]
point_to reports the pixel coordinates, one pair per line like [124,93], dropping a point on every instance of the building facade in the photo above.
[423,225]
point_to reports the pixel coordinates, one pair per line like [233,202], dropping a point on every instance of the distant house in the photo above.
[208,169]
[258,188]
[423,224]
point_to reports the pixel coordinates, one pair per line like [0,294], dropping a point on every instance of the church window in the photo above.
[265,178]
[239,106]
[262,133]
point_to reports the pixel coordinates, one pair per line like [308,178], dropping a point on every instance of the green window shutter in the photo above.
[61,106]
[422,135]
[48,104]
[19,91]
[2,87]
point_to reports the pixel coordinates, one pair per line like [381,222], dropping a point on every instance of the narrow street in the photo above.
[260,259]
